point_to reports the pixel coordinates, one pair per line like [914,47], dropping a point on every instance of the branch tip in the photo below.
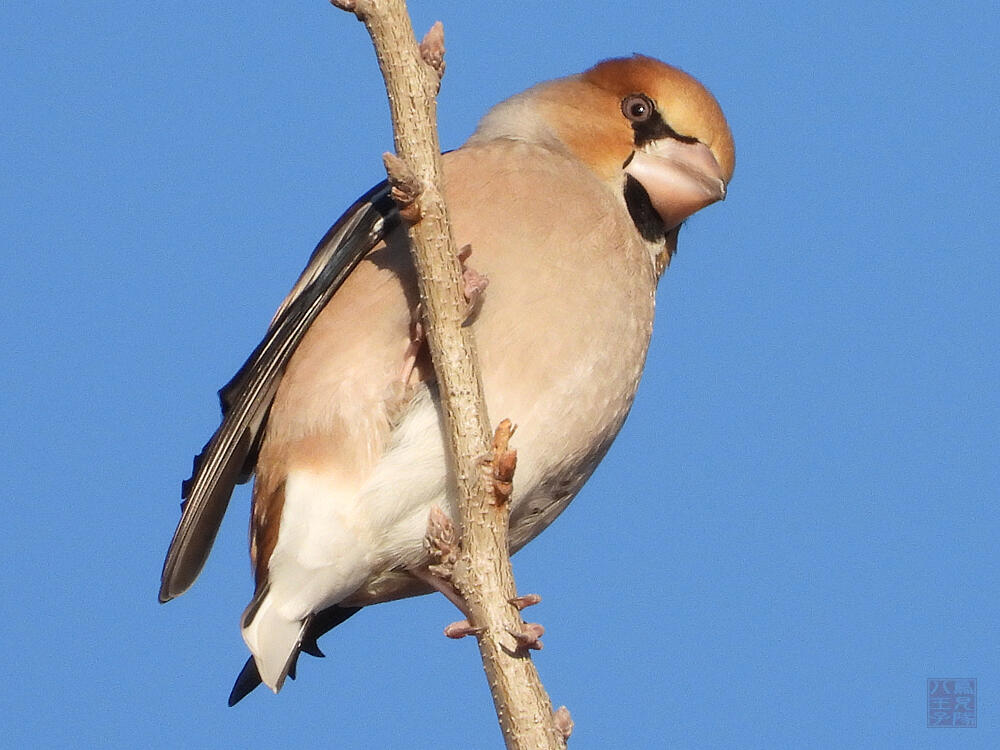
[432,49]
[350,6]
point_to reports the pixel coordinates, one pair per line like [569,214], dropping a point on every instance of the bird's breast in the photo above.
[565,324]
[562,334]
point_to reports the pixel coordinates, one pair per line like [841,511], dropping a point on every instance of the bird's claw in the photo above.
[442,544]
[503,463]
[461,629]
[522,602]
[473,283]
[413,348]
[529,636]
[563,722]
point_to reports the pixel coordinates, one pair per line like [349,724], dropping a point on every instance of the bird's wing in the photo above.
[229,457]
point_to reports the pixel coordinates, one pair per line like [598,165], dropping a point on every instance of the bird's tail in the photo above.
[311,629]
[273,640]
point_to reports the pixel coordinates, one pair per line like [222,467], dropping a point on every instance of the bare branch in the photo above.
[482,574]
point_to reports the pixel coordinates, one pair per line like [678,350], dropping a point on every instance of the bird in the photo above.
[571,196]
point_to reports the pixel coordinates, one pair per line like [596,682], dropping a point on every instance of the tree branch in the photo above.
[482,574]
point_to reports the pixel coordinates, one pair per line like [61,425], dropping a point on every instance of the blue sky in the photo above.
[796,528]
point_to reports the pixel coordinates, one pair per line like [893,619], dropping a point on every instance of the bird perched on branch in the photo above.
[571,196]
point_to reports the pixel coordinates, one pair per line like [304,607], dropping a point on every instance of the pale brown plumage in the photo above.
[350,457]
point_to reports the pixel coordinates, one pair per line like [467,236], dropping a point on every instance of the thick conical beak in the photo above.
[680,178]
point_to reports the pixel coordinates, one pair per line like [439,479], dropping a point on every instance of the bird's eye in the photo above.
[637,107]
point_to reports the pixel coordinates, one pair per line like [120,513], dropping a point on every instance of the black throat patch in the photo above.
[640,208]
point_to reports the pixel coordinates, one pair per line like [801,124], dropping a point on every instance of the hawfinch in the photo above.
[571,196]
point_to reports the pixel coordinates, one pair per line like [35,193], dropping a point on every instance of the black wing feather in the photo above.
[229,457]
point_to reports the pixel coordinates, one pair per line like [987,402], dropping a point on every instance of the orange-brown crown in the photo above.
[585,112]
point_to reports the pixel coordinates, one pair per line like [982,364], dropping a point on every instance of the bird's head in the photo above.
[637,122]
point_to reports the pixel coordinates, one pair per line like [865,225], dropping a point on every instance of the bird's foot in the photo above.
[563,722]
[442,545]
[405,188]
[473,287]
[461,629]
[441,585]
[523,602]
[417,339]
[531,632]
[529,636]
[473,283]
[502,462]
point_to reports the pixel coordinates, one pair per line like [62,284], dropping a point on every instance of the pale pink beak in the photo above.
[680,178]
